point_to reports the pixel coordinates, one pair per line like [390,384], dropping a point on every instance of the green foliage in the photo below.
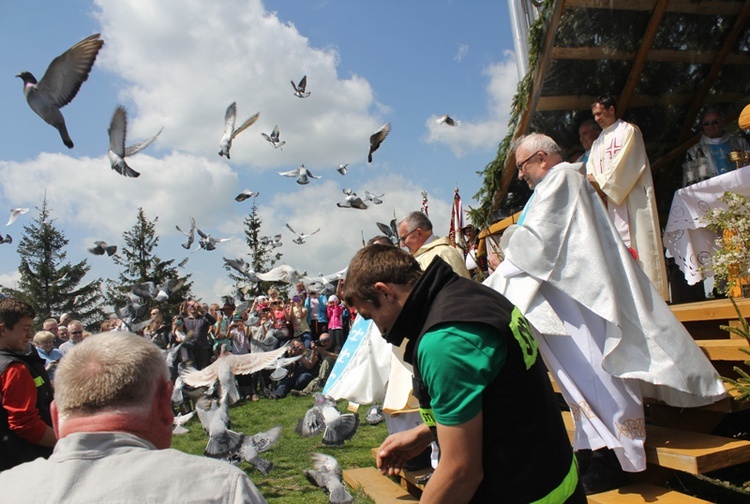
[140,264]
[286,483]
[742,383]
[48,283]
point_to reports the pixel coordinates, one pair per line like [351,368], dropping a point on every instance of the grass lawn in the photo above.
[286,483]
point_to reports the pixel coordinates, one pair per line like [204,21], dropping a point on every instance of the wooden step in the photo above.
[642,492]
[691,452]
[725,349]
[379,488]
[715,309]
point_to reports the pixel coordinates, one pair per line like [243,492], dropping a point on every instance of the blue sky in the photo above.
[178,64]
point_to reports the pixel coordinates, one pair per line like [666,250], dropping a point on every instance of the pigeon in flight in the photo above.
[377,138]
[375,198]
[207,242]
[271,241]
[101,247]
[299,89]
[60,83]
[303,175]
[158,293]
[6,239]
[246,194]
[325,417]
[14,213]
[190,235]
[180,421]
[281,273]
[390,231]
[229,132]
[301,237]
[326,474]
[352,201]
[273,139]
[117,150]
[446,119]
[244,268]
[223,443]
[342,168]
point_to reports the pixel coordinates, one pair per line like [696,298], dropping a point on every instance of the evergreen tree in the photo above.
[140,264]
[48,283]
[262,255]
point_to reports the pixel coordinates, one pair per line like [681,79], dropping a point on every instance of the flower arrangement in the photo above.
[731,262]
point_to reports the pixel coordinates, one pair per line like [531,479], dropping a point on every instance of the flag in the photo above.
[455,234]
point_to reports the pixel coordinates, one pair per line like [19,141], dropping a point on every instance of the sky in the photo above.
[178,64]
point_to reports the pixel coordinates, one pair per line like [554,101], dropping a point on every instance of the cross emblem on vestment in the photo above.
[613,148]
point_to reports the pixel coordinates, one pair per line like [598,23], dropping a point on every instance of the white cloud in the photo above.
[10,279]
[463,50]
[483,133]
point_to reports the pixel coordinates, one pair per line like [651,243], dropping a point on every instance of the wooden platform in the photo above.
[642,492]
[714,309]
[379,488]
[725,349]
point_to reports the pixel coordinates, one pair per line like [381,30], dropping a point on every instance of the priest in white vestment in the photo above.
[606,335]
[618,167]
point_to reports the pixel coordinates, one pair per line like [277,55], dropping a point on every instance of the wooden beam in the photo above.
[704,7]
[659,55]
[713,73]
[623,100]
[583,102]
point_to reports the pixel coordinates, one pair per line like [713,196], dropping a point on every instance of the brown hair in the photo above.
[379,263]
[12,310]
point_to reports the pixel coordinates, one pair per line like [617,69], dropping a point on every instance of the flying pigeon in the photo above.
[190,235]
[6,239]
[117,150]
[60,83]
[271,241]
[246,194]
[264,441]
[326,474]
[279,366]
[325,417]
[207,242]
[180,421]
[165,290]
[342,168]
[375,198]
[303,175]
[390,231]
[352,201]
[300,236]
[101,247]
[14,213]
[446,119]
[245,269]
[223,443]
[377,138]
[282,273]
[273,139]
[299,89]
[229,132]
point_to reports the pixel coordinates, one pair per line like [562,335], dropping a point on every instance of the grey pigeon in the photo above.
[249,454]
[223,443]
[299,89]
[273,138]
[165,290]
[207,242]
[326,474]
[342,168]
[375,415]
[246,194]
[264,441]
[190,235]
[14,213]
[352,201]
[375,198]
[303,175]
[271,241]
[390,231]
[6,239]
[301,237]
[244,268]
[60,83]
[446,119]
[229,131]
[279,366]
[101,247]
[325,417]
[377,138]
[117,151]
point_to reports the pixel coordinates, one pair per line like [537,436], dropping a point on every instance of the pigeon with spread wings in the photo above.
[303,175]
[377,138]
[229,131]
[301,237]
[299,89]
[117,151]
[273,138]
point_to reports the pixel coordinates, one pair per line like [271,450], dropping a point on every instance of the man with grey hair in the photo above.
[607,337]
[75,330]
[588,132]
[113,416]
[716,143]
[415,233]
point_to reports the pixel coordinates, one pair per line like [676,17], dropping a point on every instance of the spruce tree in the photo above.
[140,264]
[49,283]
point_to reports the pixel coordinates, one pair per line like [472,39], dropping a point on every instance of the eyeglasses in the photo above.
[715,122]
[402,239]
[522,165]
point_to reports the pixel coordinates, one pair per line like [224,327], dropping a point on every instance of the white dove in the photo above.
[377,138]
[352,201]
[190,235]
[375,198]
[117,150]
[180,421]
[60,83]
[301,237]
[342,168]
[273,138]
[229,131]
[303,175]
[299,89]
[446,119]
[282,273]
[245,194]
[14,213]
